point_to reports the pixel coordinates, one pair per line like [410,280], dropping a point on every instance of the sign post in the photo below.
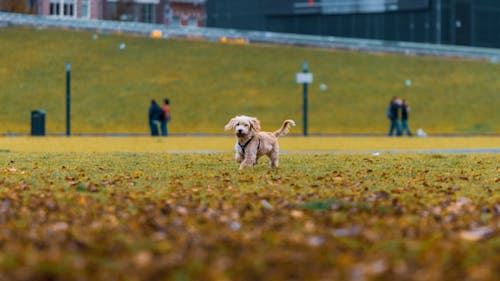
[68,99]
[304,78]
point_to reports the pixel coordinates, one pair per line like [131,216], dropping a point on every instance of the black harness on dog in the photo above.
[244,146]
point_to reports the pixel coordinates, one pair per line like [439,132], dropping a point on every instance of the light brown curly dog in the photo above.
[251,143]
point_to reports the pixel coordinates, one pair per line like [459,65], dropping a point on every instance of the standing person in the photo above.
[154,115]
[393,115]
[405,109]
[166,117]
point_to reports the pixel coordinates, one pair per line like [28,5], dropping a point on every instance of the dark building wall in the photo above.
[485,23]
[462,22]
[236,14]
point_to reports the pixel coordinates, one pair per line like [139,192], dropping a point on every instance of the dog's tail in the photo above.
[285,127]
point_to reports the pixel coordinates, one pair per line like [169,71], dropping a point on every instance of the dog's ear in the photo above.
[255,123]
[230,125]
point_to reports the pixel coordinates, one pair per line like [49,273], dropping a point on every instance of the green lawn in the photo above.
[208,83]
[162,216]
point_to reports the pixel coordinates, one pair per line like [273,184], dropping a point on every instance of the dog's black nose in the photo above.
[240,131]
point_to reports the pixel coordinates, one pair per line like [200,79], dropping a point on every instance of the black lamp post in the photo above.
[68,99]
[304,96]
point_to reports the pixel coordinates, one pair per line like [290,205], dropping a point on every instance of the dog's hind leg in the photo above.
[274,159]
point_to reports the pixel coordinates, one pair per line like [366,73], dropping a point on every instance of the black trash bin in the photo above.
[38,123]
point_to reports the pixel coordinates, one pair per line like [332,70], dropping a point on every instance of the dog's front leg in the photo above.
[248,161]
[246,164]
[239,157]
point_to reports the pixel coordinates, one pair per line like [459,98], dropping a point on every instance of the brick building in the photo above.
[84,9]
[169,12]
[186,12]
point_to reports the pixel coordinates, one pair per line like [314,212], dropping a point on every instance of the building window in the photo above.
[148,13]
[62,8]
[85,9]
[54,9]
[68,9]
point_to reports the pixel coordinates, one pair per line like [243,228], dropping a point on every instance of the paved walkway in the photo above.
[372,152]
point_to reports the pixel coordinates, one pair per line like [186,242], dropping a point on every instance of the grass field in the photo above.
[130,209]
[177,208]
[209,83]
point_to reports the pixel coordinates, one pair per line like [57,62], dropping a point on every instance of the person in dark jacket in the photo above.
[154,115]
[393,115]
[405,109]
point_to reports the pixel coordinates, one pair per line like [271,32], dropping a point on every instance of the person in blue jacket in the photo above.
[393,115]
[405,110]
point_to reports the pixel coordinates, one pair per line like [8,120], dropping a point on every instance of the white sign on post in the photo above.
[304,77]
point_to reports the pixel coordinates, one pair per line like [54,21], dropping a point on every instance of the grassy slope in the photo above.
[208,83]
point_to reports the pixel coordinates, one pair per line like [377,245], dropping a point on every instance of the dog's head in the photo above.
[243,125]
